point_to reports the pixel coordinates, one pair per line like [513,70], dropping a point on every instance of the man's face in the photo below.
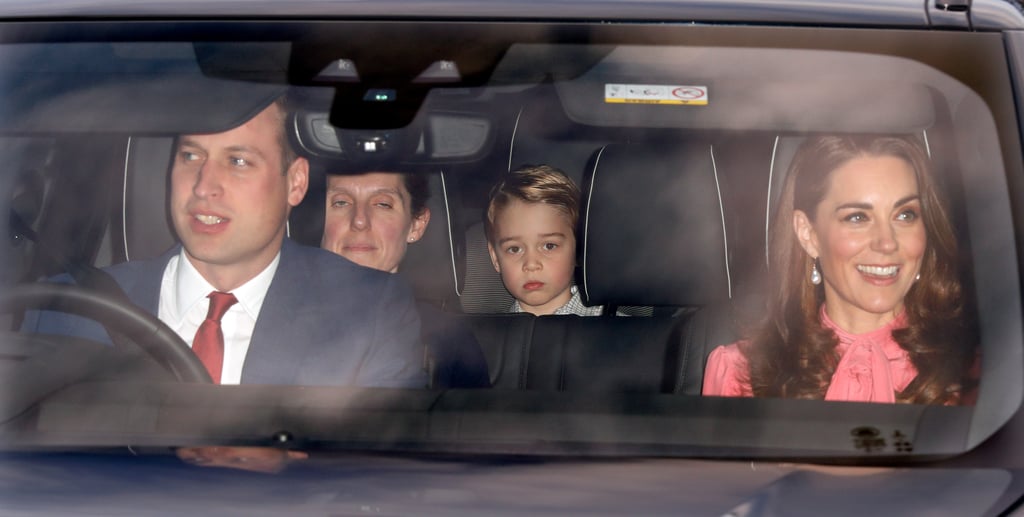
[230,199]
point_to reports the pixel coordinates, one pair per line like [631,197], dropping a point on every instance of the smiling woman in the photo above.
[866,305]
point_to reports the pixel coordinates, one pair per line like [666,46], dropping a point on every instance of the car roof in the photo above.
[979,14]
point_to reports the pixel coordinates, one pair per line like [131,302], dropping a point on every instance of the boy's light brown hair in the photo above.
[533,184]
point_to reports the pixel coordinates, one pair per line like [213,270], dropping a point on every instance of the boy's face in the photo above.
[534,250]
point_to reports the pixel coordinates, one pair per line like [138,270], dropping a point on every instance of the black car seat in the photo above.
[144,229]
[652,234]
[653,227]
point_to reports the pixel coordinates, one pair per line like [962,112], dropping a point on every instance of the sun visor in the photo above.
[750,89]
[155,88]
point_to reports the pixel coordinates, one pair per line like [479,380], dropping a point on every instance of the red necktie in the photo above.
[209,341]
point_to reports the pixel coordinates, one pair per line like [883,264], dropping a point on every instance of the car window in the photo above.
[680,140]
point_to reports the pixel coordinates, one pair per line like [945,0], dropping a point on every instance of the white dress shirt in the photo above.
[573,306]
[184,304]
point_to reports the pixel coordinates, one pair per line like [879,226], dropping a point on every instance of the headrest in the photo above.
[783,150]
[483,292]
[429,264]
[147,230]
[652,227]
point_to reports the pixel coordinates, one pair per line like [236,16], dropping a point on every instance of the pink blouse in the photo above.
[872,367]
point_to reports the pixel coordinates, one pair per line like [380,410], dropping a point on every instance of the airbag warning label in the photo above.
[655,94]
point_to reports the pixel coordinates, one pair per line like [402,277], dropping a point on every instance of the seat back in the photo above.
[146,230]
[652,234]
[653,227]
[603,354]
[505,341]
[430,264]
[483,292]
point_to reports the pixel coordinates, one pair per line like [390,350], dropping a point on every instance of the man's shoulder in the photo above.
[327,267]
[124,272]
[141,270]
[135,267]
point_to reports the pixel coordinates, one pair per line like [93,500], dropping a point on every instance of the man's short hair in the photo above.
[284,110]
[533,184]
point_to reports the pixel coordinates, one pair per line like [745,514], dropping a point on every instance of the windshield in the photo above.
[547,238]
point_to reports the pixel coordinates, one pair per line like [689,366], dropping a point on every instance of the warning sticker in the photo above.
[655,94]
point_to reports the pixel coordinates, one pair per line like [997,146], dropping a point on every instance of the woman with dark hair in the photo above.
[371,219]
[865,302]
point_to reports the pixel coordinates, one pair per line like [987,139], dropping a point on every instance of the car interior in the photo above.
[672,238]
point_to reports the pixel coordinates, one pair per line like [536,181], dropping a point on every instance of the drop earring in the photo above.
[815,274]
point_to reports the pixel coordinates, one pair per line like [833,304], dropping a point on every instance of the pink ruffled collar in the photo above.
[872,365]
[881,336]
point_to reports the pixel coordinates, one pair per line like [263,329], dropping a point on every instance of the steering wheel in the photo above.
[141,328]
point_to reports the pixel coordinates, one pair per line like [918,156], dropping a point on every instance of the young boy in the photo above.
[530,227]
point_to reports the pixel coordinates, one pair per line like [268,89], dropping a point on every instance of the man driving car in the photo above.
[255,306]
